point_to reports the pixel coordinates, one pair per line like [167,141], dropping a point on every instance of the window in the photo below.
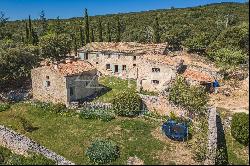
[124,67]
[47,77]
[97,55]
[71,91]
[86,57]
[109,56]
[134,65]
[156,70]
[134,58]
[119,56]
[47,84]
[96,63]
[155,82]
[107,66]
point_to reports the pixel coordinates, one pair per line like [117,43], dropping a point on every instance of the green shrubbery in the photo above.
[104,115]
[103,152]
[127,104]
[240,128]
[56,108]
[193,98]
[4,106]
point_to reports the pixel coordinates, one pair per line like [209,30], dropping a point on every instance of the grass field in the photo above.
[9,158]
[116,86]
[69,135]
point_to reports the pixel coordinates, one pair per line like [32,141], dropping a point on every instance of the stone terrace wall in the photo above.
[212,137]
[22,144]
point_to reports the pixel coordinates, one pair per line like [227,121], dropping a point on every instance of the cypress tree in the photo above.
[118,29]
[157,38]
[81,37]
[43,21]
[86,26]
[26,33]
[30,31]
[35,39]
[109,32]
[100,30]
[92,35]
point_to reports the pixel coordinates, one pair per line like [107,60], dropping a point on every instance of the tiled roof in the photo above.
[164,59]
[126,47]
[197,76]
[70,68]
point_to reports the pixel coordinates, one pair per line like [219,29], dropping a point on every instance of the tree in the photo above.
[157,38]
[183,95]
[55,46]
[43,23]
[35,39]
[16,60]
[81,36]
[58,29]
[109,32]
[240,128]
[228,58]
[3,19]
[100,30]
[86,27]
[198,43]
[92,37]
[30,29]
[118,30]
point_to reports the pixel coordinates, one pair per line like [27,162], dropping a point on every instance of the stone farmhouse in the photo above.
[146,63]
[77,78]
[64,82]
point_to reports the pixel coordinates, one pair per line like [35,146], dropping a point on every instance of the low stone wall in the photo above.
[212,137]
[21,144]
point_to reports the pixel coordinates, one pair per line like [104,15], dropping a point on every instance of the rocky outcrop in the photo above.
[21,144]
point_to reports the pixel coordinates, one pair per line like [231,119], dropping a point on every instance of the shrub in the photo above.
[127,104]
[4,106]
[193,98]
[240,127]
[103,151]
[56,108]
[104,115]
[27,126]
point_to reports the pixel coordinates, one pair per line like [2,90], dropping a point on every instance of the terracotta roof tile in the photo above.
[127,47]
[164,59]
[197,75]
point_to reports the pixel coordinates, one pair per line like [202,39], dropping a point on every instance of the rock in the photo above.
[134,161]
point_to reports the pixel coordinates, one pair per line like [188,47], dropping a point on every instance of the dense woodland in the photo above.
[219,32]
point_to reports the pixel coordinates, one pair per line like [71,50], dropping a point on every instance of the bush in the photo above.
[240,127]
[56,108]
[103,151]
[104,115]
[27,126]
[193,98]
[4,106]
[127,104]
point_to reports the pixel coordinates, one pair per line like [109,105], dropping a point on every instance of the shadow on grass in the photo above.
[97,94]
[221,152]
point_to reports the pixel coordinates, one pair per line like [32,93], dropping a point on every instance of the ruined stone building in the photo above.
[64,82]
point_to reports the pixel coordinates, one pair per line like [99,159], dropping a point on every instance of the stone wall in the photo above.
[21,144]
[212,137]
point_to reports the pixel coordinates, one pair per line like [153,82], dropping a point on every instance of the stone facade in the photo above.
[50,83]
[151,75]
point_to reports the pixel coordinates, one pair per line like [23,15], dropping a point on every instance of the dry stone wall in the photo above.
[21,144]
[212,137]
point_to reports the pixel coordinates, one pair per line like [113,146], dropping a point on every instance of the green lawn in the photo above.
[69,136]
[9,158]
[116,85]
